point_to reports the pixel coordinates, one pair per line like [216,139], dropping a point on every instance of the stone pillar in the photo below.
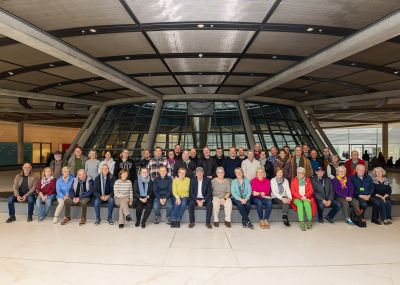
[20,143]
[246,124]
[151,135]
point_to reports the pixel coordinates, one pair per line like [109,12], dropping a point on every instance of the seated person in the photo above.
[303,198]
[261,196]
[180,192]
[324,196]
[200,194]
[221,187]
[46,190]
[63,184]
[241,192]
[364,192]
[162,190]
[123,196]
[103,192]
[79,194]
[143,191]
[281,194]
[383,191]
[24,188]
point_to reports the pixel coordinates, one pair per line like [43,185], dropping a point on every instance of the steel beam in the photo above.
[247,124]
[151,136]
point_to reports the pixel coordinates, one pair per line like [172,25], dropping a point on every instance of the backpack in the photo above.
[357,216]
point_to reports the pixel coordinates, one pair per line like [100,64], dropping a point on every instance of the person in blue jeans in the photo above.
[103,192]
[24,188]
[46,190]
[180,191]
[261,196]
[241,191]
[162,189]
[383,191]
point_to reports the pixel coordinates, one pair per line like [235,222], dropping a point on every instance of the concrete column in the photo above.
[151,135]
[246,123]
[322,133]
[314,134]
[93,124]
[20,143]
[385,140]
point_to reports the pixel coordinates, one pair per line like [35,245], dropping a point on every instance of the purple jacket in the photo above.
[348,191]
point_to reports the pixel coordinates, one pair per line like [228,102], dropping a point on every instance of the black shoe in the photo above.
[286,222]
[320,220]
[173,224]
[121,226]
[244,225]
[191,225]
[169,220]
[178,224]
[29,219]
[250,225]
[143,226]
[11,219]
[110,222]
[227,224]
[377,222]
[128,218]
[216,224]
[328,220]
[97,222]
[156,220]
[137,223]
[209,226]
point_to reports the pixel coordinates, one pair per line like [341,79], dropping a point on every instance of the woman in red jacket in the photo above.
[303,199]
[46,190]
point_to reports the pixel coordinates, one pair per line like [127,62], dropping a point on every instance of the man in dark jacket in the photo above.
[219,156]
[200,194]
[103,192]
[208,163]
[126,163]
[231,163]
[162,189]
[324,196]
[187,163]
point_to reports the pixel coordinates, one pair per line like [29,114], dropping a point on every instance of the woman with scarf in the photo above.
[344,192]
[280,193]
[46,190]
[303,198]
[382,193]
[143,191]
[332,166]
[241,192]
[171,159]
[283,162]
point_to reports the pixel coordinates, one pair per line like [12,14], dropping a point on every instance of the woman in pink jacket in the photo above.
[261,196]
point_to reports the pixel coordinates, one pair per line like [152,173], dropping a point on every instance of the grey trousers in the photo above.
[346,205]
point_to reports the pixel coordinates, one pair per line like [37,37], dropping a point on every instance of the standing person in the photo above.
[143,191]
[128,164]
[300,160]
[366,158]
[324,196]
[178,152]
[46,190]
[187,163]
[79,194]
[242,154]
[257,150]
[180,191]
[77,161]
[283,162]
[281,194]
[273,155]
[231,163]
[200,194]
[315,161]
[156,162]
[383,191]
[364,192]
[263,158]
[146,158]
[103,192]
[306,150]
[57,164]
[241,192]
[381,160]
[109,161]
[219,156]
[331,169]
[207,162]
[171,160]
[162,189]
[352,163]
[286,148]
[123,197]
[261,196]
[250,165]
[221,187]
[24,188]
[63,184]
[327,157]
[193,155]
[344,192]
[92,165]
[303,199]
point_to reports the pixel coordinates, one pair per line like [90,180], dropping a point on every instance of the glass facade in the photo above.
[195,124]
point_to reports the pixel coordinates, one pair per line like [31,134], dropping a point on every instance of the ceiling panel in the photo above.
[8,84]
[244,80]
[381,54]
[369,77]
[200,79]
[345,92]
[104,84]
[79,88]
[231,90]
[283,43]
[4,66]
[395,65]
[262,65]
[271,93]
[94,98]
[170,90]
[391,85]
[157,80]
[325,87]
[130,93]
[193,41]
[58,92]
[139,66]
[70,72]
[200,90]
[37,78]
[354,14]
[24,55]
[290,95]
[206,10]
[334,71]
[61,14]
[200,64]
[111,95]
[112,44]
[298,83]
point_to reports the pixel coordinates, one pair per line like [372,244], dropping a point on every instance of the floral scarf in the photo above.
[343,181]
[45,181]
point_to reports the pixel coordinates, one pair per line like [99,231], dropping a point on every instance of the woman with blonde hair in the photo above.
[92,165]
[123,196]
[63,184]
[241,192]
[382,193]
[46,189]
[261,196]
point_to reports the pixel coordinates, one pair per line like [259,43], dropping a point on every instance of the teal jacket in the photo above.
[235,189]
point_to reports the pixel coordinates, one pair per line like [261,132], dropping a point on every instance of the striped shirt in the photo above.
[123,189]
[154,167]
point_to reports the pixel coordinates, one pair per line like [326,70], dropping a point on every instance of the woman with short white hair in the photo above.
[92,165]
[382,193]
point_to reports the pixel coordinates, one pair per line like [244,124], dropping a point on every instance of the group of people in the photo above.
[302,180]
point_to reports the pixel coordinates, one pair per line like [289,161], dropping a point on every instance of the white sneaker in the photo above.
[55,220]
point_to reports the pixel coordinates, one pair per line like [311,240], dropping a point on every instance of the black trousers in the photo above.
[146,207]
[192,206]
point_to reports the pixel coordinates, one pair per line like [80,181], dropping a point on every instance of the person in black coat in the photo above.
[269,170]
[208,163]
[126,163]
[143,195]
[103,192]
[200,198]
[187,163]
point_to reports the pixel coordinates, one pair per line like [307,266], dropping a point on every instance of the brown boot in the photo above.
[262,224]
[82,221]
[66,220]
[266,224]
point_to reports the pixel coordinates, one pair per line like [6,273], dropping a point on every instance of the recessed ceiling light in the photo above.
[353,64]
[51,65]
[83,31]
[127,57]
[200,55]
[252,74]
[200,85]
[211,26]
[11,73]
[200,73]
[59,84]
[306,92]
[96,92]
[274,57]
[310,29]
[149,74]
[320,30]
[92,30]
[200,26]
[396,72]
